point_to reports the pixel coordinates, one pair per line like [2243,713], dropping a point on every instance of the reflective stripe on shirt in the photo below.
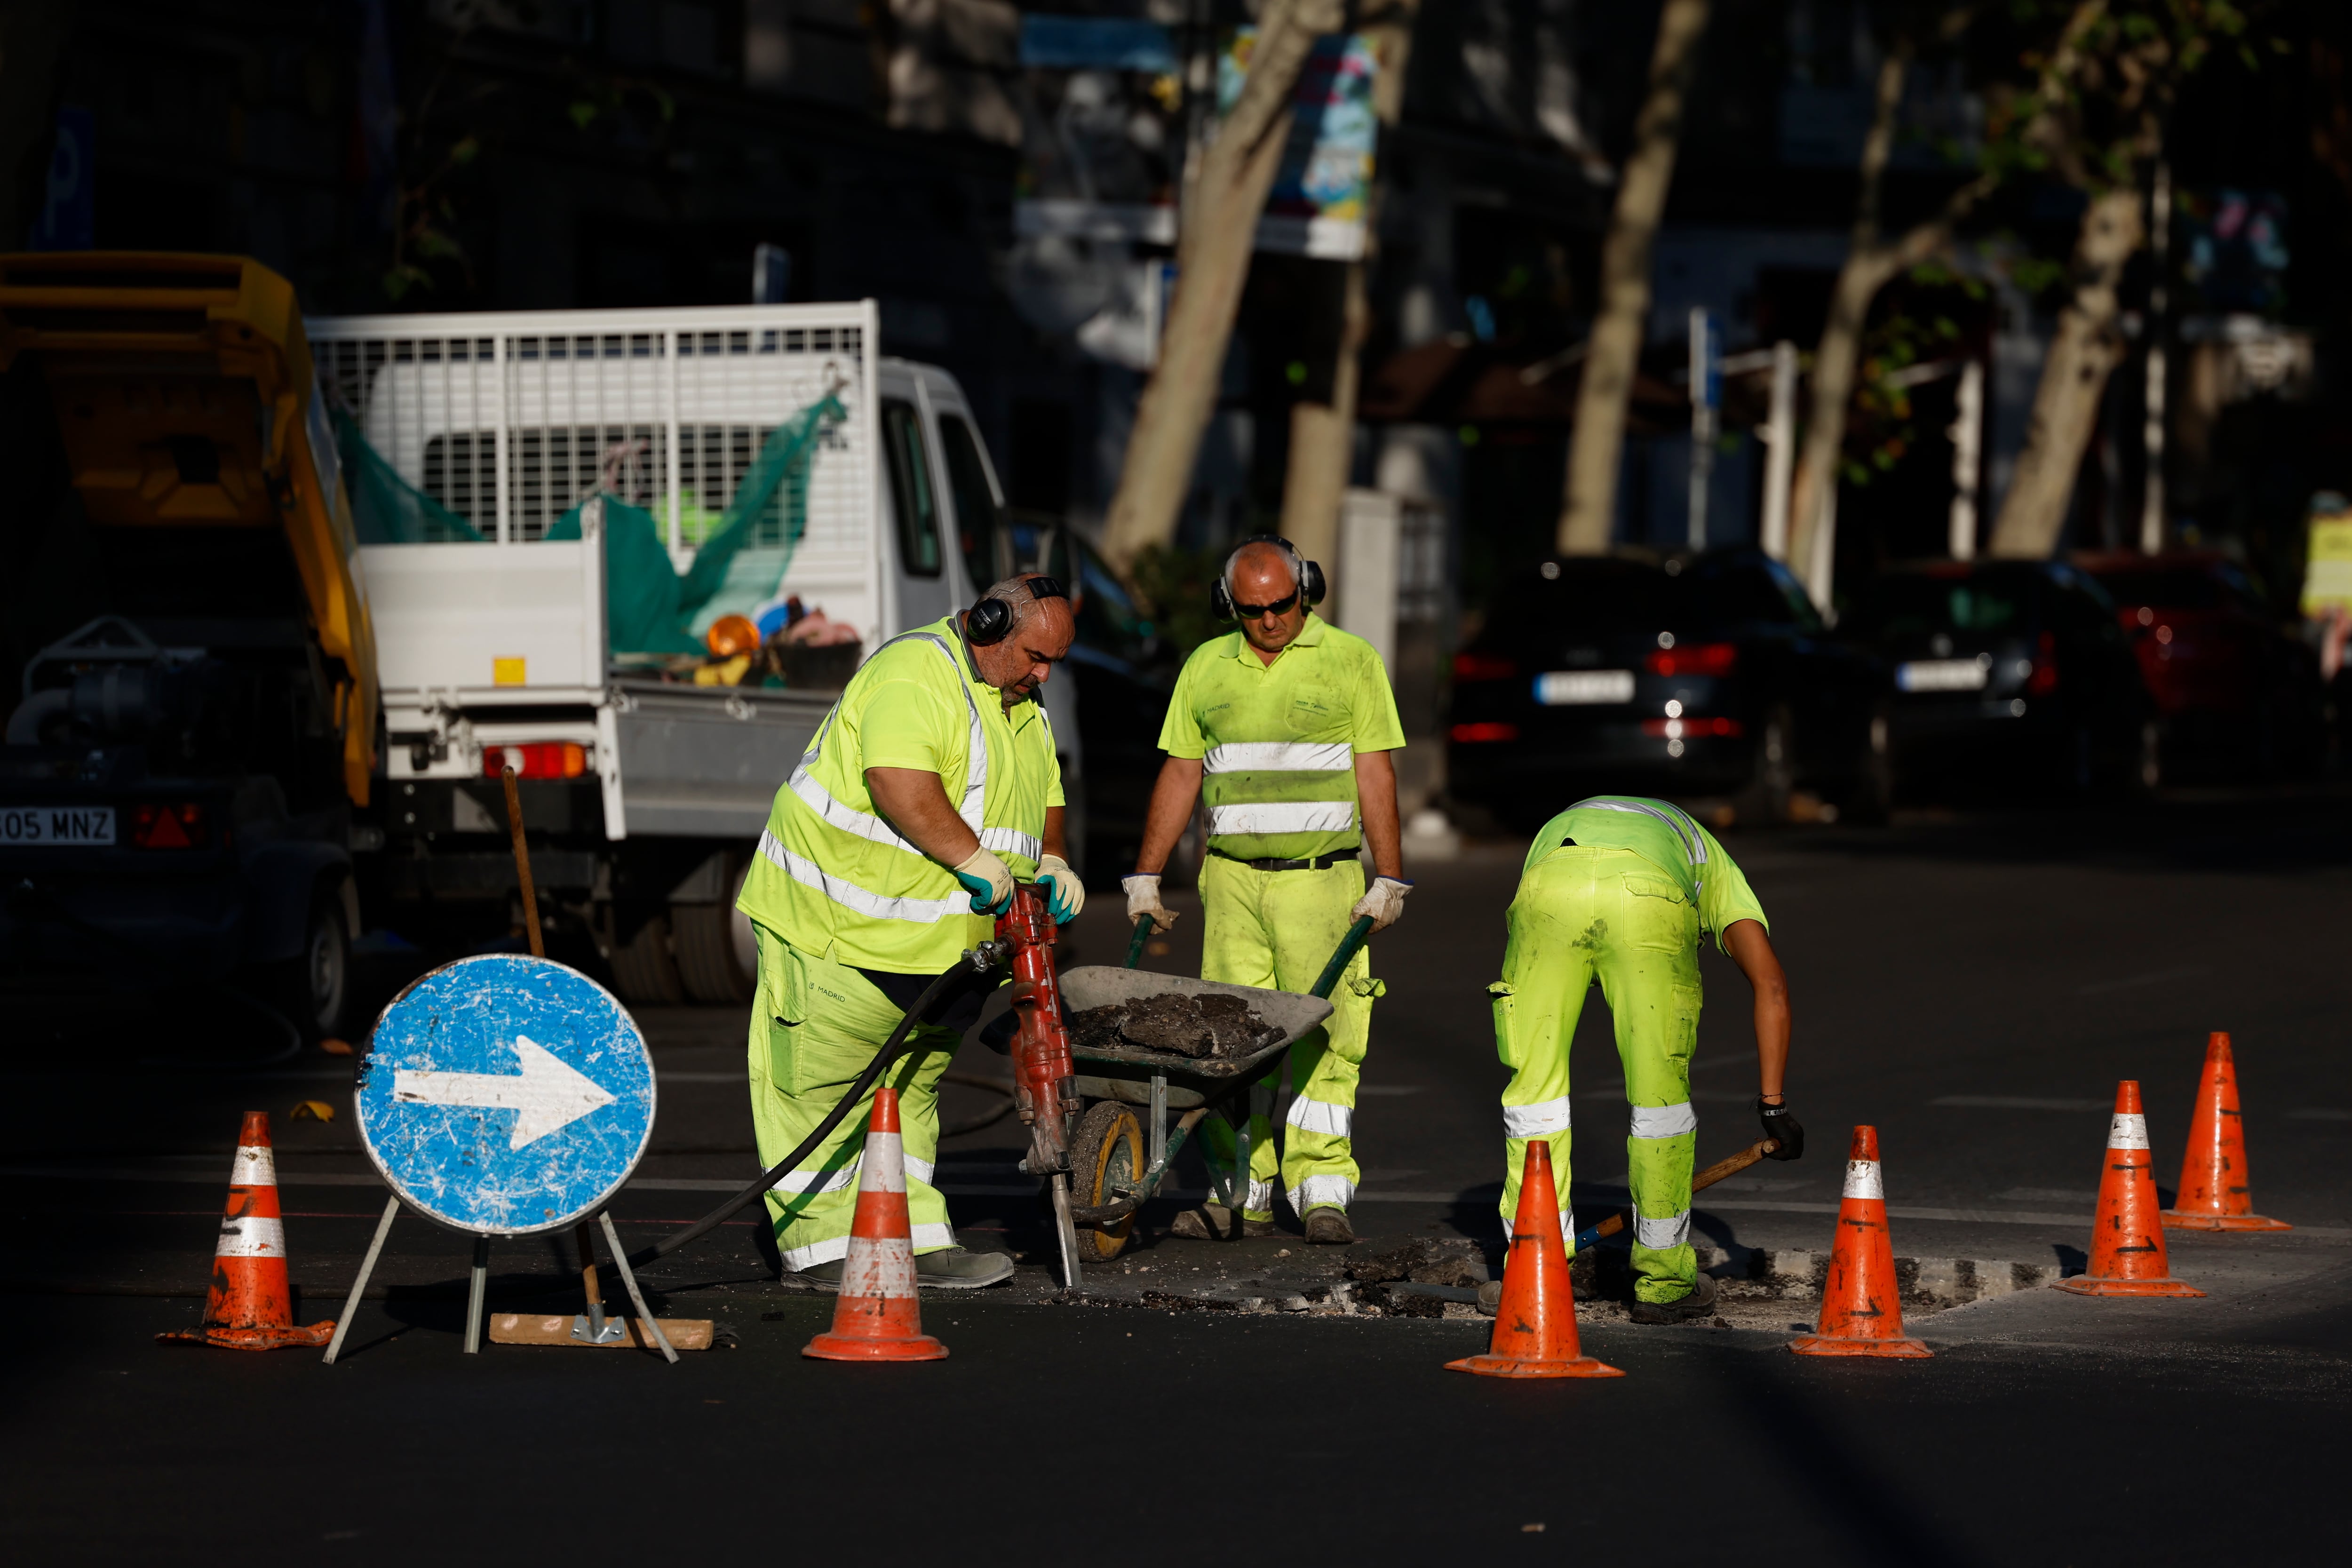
[1693,847]
[849,895]
[1283,816]
[1279,756]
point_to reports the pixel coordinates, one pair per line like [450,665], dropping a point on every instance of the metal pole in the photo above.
[1781,449]
[2159,232]
[636,1297]
[1701,400]
[1158,1116]
[475,1290]
[359,1286]
[1968,443]
[1065,1230]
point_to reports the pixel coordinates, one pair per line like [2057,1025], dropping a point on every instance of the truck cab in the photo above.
[196,722]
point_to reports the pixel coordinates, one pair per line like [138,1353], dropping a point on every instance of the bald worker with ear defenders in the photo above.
[1285,726]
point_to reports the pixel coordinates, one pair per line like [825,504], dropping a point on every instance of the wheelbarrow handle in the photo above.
[1341,958]
[1135,944]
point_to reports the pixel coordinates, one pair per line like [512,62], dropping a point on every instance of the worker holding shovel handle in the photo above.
[1285,726]
[1624,889]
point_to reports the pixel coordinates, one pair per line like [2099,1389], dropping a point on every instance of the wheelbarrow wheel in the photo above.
[1105,1158]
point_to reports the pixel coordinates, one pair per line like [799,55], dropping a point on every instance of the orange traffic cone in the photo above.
[1861,1309]
[876,1317]
[2213,1191]
[2128,1238]
[1535,1329]
[251,1306]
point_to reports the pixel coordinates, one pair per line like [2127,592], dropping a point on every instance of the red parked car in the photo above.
[2238,692]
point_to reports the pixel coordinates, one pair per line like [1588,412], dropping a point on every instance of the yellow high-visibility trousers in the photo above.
[816,1024]
[1276,930]
[1582,914]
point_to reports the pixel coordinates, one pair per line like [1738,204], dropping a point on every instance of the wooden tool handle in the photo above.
[1705,1179]
[522,865]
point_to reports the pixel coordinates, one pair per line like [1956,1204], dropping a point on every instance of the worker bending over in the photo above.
[931,786]
[1622,889]
[1290,722]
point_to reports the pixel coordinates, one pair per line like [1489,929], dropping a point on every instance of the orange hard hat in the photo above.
[732,635]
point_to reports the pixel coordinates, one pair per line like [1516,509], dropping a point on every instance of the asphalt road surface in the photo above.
[1972,986]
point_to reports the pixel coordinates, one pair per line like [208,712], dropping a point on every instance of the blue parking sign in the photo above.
[505,1095]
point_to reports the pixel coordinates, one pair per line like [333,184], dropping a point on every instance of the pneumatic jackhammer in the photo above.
[1045,1081]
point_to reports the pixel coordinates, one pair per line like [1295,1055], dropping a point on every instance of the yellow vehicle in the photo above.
[200,717]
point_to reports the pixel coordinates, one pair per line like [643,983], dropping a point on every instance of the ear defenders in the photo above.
[991,620]
[1306,574]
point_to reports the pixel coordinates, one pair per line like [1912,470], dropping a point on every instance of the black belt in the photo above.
[1320,862]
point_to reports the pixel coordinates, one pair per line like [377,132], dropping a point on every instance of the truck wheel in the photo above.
[718,959]
[313,989]
[709,963]
[643,971]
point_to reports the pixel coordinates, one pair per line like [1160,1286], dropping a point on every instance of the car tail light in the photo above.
[2044,679]
[537,759]
[1473,733]
[180,827]
[1484,666]
[1689,729]
[1699,659]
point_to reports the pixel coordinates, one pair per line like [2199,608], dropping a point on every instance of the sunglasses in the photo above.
[1278,607]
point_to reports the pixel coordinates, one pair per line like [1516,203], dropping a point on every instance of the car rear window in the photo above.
[1616,596]
[2163,590]
[1920,606]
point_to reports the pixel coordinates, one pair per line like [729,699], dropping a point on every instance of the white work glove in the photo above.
[986,879]
[1067,895]
[1143,899]
[1384,900]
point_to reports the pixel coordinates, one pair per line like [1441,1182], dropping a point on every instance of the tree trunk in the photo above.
[1868,265]
[1323,435]
[2073,379]
[1595,447]
[1214,259]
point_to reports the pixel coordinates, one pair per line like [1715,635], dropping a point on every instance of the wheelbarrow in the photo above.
[1117,1163]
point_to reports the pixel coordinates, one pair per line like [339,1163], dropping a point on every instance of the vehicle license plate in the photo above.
[1943,675]
[1567,688]
[57,825]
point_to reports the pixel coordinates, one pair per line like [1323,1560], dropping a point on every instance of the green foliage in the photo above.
[1172,586]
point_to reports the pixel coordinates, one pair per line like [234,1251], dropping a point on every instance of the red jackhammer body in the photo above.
[1045,1085]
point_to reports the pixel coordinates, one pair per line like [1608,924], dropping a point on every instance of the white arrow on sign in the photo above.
[547,1096]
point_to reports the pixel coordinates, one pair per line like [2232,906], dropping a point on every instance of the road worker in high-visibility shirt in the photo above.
[1284,727]
[1622,889]
[929,787]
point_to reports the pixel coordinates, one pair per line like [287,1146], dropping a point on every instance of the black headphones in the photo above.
[991,620]
[1306,574]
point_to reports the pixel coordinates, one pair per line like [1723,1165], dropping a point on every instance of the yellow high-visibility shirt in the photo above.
[1278,743]
[834,878]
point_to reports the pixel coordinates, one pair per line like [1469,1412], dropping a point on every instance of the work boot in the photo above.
[1490,1298]
[953,1269]
[1693,1308]
[1329,1227]
[825,1277]
[1210,1221]
[1260,1226]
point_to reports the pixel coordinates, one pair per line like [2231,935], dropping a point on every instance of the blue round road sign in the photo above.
[505,1095]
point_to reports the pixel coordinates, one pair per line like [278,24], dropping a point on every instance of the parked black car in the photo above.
[1710,676]
[2011,673]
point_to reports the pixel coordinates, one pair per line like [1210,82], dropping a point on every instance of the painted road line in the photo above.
[2021,1102]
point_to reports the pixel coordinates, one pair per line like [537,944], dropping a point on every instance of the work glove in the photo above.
[986,879]
[1779,1123]
[1143,899]
[1065,894]
[1384,900]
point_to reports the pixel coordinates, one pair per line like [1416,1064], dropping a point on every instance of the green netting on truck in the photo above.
[649,607]
[387,509]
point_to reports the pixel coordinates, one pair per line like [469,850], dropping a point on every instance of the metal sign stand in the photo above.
[592,1327]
